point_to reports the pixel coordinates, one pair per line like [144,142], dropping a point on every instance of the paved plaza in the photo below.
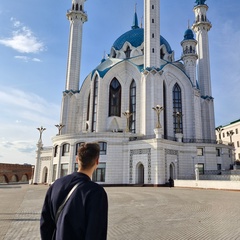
[135,213]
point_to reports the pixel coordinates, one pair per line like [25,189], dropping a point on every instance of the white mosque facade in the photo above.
[152,115]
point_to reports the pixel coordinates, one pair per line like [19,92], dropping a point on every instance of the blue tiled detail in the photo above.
[71,91]
[136,37]
[188,34]
[207,97]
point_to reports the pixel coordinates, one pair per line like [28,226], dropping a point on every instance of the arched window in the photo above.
[128,52]
[165,109]
[77,146]
[65,149]
[88,110]
[115,98]
[132,107]
[55,151]
[81,8]
[162,53]
[77,7]
[177,109]
[103,148]
[95,101]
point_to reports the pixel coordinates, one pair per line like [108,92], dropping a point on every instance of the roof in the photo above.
[188,34]
[136,37]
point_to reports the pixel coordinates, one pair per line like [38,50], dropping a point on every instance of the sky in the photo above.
[33,59]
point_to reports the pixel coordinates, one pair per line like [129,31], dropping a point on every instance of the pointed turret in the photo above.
[189,55]
[135,20]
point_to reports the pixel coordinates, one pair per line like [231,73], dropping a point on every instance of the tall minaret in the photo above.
[151,33]
[77,16]
[201,27]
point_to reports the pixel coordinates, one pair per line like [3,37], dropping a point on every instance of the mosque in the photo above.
[152,115]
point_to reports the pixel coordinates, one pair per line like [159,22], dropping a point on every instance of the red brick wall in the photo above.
[15,173]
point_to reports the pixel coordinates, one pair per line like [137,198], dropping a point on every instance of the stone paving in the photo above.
[135,213]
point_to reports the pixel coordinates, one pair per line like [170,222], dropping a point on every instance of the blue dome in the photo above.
[188,34]
[136,37]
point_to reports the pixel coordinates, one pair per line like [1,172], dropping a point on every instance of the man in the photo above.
[85,214]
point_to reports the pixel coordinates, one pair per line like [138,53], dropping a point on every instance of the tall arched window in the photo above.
[95,101]
[115,98]
[88,111]
[132,107]
[165,109]
[128,52]
[177,109]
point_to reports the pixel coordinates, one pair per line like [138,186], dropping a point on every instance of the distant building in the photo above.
[230,134]
[152,115]
[12,173]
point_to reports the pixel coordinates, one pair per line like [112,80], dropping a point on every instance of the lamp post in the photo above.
[127,114]
[229,134]
[59,127]
[41,129]
[158,109]
[178,116]
[39,150]
[219,129]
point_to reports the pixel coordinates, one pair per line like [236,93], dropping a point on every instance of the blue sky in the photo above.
[33,58]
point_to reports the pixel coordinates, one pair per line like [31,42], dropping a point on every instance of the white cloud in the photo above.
[27,59]
[21,146]
[23,39]
[21,114]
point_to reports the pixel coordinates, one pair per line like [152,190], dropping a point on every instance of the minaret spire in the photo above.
[76,16]
[135,19]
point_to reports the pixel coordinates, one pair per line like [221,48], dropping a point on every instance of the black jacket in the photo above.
[84,216]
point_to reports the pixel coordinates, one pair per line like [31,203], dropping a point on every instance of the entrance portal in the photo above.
[140,174]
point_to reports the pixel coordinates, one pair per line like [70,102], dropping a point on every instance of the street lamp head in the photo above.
[59,126]
[41,129]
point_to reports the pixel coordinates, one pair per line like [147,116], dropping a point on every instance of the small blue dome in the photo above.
[188,34]
[136,37]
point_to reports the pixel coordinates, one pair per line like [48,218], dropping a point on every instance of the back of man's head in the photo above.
[88,153]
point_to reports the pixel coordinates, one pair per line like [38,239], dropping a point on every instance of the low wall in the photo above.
[228,185]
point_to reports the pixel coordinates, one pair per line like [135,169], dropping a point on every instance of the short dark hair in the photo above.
[87,154]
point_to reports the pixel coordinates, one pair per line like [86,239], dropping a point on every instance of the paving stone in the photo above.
[135,213]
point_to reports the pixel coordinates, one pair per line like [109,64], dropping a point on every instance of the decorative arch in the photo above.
[172,170]
[115,92]
[14,178]
[45,175]
[24,178]
[3,179]
[139,173]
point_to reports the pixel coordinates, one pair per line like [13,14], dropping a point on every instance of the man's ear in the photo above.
[97,161]
[76,159]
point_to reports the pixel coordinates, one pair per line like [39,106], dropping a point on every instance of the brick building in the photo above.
[15,173]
